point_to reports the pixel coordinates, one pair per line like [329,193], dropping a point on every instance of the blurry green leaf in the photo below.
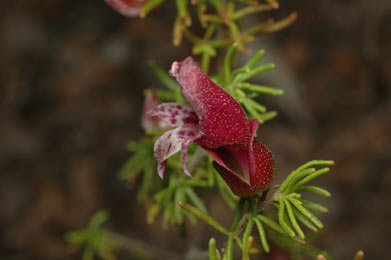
[165,95]
[297,249]
[229,252]
[267,116]
[246,235]
[227,194]
[255,59]
[149,6]
[246,76]
[96,241]
[315,190]
[259,89]
[179,196]
[251,9]
[195,200]
[314,206]
[228,62]
[310,177]
[262,235]
[205,217]
[152,212]
[213,253]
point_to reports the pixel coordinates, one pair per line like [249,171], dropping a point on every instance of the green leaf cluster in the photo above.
[96,240]
[221,20]
[180,188]
[291,208]
[235,82]
[142,165]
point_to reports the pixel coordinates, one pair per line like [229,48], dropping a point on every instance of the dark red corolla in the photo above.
[218,123]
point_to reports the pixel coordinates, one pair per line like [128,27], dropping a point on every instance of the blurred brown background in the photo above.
[72,75]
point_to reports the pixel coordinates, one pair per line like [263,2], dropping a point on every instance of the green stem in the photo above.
[262,235]
[205,62]
[281,219]
[310,177]
[293,178]
[227,63]
[247,232]
[253,61]
[298,205]
[212,249]
[246,235]
[252,73]
[260,89]
[205,217]
[238,215]
[251,9]
[196,158]
[229,254]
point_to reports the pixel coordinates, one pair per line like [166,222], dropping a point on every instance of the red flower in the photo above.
[218,123]
[129,8]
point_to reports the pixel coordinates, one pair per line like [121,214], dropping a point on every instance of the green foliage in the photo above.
[180,188]
[141,165]
[297,250]
[235,83]
[218,16]
[291,210]
[96,240]
[214,254]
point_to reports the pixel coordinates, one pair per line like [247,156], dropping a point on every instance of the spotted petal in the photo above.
[171,142]
[222,119]
[175,114]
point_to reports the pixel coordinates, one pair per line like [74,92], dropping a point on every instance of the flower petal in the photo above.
[129,8]
[264,166]
[148,121]
[171,142]
[175,114]
[253,123]
[238,158]
[260,178]
[247,169]
[222,119]
[234,159]
[261,160]
[237,185]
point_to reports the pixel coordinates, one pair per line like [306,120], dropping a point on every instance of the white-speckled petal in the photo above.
[171,142]
[175,114]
